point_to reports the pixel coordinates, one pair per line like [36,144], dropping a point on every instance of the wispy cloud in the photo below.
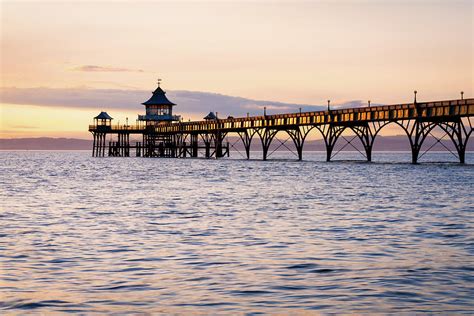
[24,127]
[95,68]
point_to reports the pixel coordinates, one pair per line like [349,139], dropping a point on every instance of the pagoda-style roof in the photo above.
[210,116]
[158,98]
[103,116]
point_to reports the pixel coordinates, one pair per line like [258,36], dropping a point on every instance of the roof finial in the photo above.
[159,81]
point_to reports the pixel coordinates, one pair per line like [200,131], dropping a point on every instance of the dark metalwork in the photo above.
[187,139]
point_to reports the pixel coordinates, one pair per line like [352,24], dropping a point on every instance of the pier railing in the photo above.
[422,110]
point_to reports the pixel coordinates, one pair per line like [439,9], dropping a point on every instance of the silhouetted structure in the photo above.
[165,136]
[158,108]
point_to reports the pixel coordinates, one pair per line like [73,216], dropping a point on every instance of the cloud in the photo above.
[24,127]
[192,102]
[203,102]
[95,68]
[74,97]
[351,104]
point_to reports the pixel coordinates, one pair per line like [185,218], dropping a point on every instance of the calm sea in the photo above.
[194,236]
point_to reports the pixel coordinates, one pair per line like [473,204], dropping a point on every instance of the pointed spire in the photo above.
[158,97]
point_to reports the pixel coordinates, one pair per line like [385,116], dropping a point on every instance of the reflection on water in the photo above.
[179,235]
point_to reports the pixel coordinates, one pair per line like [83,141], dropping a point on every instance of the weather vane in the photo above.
[159,81]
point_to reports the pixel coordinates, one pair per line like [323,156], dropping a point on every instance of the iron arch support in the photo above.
[459,134]
[330,135]
[246,136]
[266,136]
[416,131]
[367,133]
[298,136]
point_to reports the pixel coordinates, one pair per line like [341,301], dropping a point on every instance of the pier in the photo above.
[163,134]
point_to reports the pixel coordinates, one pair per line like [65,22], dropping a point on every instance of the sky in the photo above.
[64,61]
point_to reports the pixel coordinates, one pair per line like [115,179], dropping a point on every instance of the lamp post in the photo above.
[415,92]
[329,108]
[369,103]
[264,111]
[462,95]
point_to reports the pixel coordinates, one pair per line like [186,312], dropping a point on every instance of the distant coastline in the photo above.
[45,143]
[383,143]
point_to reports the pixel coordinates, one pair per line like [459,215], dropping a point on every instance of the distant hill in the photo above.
[45,143]
[382,143]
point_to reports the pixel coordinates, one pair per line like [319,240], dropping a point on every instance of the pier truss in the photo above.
[452,119]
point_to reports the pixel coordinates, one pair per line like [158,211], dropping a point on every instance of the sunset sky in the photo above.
[64,61]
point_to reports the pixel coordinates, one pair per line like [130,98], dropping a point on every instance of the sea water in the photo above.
[232,236]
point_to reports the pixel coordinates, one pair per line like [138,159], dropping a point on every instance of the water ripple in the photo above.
[193,236]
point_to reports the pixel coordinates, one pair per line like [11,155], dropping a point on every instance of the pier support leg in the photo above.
[99,149]
[98,152]
[127,149]
[94,144]
[103,144]
[207,139]
[246,137]
[194,145]
[147,146]
[184,150]
[366,138]
[417,137]
[218,138]
[138,146]
[179,145]
[123,145]
[298,136]
[99,144]
[459,133]
[367,133]
[119,144]
[266,136]
[416,131]
[330,135]
[208,149]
